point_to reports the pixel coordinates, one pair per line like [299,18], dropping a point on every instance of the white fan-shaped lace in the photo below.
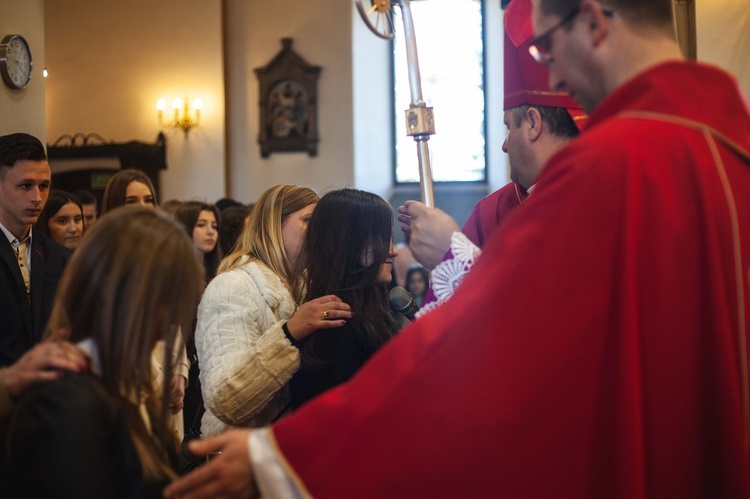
[448,274]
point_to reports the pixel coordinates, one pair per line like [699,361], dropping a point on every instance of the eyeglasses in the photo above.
[541,45]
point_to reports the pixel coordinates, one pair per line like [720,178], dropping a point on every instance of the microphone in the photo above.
[402,301]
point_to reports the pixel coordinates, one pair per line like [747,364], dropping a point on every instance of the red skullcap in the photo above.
[526,81]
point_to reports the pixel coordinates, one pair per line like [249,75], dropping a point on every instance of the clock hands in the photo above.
[21,61]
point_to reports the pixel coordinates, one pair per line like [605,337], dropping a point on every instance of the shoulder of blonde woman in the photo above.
[245,357]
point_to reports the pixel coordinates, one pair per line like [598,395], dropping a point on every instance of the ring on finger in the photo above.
[325,314]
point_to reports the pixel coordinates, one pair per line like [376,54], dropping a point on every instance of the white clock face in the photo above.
[15,61]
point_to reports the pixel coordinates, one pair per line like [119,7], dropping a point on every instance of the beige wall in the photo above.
[23,110]
[321,31]
[110,61]
[723,36]
[372,113]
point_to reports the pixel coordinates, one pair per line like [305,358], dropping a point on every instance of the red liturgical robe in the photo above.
[490,211]
[598,348]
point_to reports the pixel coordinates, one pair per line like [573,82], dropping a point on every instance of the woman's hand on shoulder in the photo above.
[326,312]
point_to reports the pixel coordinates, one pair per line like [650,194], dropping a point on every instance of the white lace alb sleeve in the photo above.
[448,274]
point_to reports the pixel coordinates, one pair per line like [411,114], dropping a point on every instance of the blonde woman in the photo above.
[131,282]
[250,324]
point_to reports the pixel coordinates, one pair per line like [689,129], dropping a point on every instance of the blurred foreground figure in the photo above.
[133,282]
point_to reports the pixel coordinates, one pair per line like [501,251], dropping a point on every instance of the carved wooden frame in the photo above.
[288,103]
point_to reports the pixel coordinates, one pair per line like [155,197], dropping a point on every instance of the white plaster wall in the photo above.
[373,109]
[321,32]
[110,61]
[497,161]
[23,110]
[723,36]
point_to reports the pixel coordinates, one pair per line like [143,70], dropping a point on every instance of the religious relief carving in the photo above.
[288,104]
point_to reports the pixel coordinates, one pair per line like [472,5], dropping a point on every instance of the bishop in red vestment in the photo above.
[598,348]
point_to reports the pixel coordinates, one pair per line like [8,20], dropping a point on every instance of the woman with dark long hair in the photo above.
[202,222]
[131,284]
[62,219]
[348,252]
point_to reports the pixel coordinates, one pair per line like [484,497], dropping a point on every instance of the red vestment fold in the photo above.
[597,348]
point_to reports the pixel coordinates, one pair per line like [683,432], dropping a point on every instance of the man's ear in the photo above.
[535,124]
[592,13]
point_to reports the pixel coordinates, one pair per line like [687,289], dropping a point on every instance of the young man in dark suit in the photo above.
[30,263]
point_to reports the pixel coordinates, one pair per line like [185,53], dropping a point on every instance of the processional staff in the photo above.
[419,119]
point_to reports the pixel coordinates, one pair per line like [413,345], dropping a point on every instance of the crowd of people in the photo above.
[127,346]
[584,333]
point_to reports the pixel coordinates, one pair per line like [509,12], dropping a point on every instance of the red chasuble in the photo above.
[490,211]
[597,349]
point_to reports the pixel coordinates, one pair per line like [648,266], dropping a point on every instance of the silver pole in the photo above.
[420,123]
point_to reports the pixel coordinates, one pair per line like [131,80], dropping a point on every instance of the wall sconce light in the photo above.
[183,121]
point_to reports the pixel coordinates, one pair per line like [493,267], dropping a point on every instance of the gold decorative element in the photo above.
[184,121]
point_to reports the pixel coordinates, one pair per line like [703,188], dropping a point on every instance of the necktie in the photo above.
[21,252]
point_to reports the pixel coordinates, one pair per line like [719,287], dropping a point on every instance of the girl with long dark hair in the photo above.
[202,222]
[348,252]
[62,219]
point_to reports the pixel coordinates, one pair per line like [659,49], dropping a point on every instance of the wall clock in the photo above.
[15,61]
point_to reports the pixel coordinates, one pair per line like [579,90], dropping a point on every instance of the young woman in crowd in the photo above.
[128,187]
[132,283]
[133,187]
[348,252]
[62,219]
[202,221]
[250,320]
[417,283]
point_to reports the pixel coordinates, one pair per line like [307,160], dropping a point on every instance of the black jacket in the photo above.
[69,439]
[22,322]
[341,352]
